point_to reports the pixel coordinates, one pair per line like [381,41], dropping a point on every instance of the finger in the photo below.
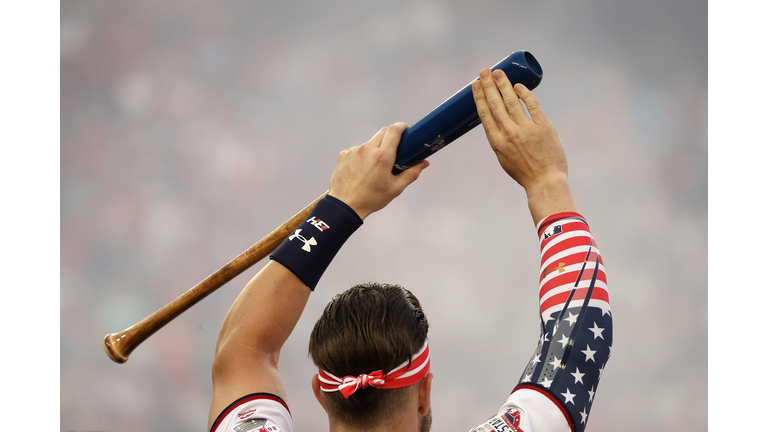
[375,140]
[489,123]
[537,114]
[511,99]
[392,138]
[411,174]
[495,101]
[342,154]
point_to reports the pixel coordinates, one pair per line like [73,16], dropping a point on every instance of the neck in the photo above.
[407,420]
[410,424]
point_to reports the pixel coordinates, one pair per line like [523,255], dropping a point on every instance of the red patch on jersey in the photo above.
[512,419]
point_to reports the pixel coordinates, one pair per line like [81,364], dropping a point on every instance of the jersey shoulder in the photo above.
[257,412]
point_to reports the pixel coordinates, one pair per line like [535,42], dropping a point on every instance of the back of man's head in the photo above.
[367,328]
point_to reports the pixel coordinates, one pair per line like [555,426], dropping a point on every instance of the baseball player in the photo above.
[370,344]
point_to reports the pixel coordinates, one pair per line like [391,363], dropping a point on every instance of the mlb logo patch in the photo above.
[512,419]
[552,230]
[508,421]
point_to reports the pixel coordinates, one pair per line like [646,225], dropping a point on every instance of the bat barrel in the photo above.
[458,114]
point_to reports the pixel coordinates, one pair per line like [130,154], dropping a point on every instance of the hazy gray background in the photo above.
[189,130]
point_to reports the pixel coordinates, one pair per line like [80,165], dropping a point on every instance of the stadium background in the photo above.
[191,129]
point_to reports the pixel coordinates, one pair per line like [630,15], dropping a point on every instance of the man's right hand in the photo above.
[528,149]
[363,176]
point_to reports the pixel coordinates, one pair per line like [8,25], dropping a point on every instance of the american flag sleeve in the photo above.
[576,321]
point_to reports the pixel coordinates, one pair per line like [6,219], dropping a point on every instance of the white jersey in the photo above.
[524,411]
[258,412]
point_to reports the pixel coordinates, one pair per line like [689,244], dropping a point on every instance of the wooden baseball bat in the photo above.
[448,121]
[120,345]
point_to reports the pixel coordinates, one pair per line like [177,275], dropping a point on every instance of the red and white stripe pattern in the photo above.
[569,259]
[410,372]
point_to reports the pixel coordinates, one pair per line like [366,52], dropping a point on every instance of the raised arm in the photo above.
[266,311]
[556,390]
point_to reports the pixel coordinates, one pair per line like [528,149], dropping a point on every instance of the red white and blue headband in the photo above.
[401,376]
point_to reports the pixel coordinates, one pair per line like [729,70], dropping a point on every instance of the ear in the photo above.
[425,394]
[318,392]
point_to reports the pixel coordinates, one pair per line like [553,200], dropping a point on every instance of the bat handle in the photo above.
[116,349]
[120,345]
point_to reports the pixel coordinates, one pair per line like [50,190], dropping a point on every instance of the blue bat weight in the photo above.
[458,114]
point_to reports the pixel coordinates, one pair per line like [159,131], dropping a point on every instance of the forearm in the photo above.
[265,313]
[549,195]
[576,319]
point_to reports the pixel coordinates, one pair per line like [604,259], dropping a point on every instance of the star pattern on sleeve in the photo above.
[546,382]
[555,363]
[568,396]
[571,318]
[597,331]
[577,376]
[536,359]
[589,353]
[568,362]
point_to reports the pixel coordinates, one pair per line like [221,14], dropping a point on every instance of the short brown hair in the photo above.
[367,328]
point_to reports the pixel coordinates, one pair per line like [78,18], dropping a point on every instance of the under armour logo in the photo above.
[307,243]
[560,268]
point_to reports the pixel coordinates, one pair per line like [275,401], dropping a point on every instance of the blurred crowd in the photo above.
[189,130]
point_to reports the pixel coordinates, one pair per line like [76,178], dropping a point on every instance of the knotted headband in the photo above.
[401,376]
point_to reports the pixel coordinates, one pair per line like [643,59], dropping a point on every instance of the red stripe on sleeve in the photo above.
[598,293]
[569,279]
[565,245]
[547,221]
